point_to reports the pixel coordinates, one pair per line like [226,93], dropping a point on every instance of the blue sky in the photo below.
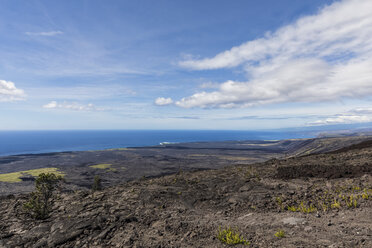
[259,64]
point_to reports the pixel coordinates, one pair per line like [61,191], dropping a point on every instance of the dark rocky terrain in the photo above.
[132,163]
[322,199]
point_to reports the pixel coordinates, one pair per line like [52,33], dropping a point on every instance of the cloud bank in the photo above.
[72,106]
[343,119]
[358,115]
[9,92]
[323,57]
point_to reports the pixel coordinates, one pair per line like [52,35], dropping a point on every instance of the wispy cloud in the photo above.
[49,33]
[72,106]
[69,55]
[81,93]
[361,111]
[323,57]
[186,117]
[9,92]
[285,117]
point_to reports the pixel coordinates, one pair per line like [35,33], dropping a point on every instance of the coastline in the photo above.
[126,164]
[36,142]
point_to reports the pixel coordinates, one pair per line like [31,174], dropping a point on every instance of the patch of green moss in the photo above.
[15,177]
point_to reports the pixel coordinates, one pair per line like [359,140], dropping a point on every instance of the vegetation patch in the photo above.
[119,149]
[41,200]
[280,234]
[101,166]
[231,236]
[233,158]
[15,177]
[96,183]
[199,155]
[342,197]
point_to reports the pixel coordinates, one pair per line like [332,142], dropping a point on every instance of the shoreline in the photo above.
[160,145]
[33,142]
[126,164]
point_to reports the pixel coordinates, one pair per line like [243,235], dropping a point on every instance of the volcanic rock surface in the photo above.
[319,200]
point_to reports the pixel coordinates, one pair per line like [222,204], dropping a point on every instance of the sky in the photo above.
[165,64]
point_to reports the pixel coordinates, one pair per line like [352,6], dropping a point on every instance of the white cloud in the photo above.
[358,115]
[51,105]
[161,101]
[324,57]
[81,93]
[343,119]
[9,92]
[72,106]
[49,33]
[361,111]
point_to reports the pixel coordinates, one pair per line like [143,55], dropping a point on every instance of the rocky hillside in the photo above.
[321,200]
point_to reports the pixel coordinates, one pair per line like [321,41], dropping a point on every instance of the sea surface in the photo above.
[33,142]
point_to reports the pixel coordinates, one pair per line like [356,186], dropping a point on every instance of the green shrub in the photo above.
[41,200]
[96,183]
[230,236]
[280,234]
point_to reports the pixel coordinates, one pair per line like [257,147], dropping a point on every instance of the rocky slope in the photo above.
[321,200]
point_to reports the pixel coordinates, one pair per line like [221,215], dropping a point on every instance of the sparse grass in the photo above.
[351,201]
[365,194]
[198,155]
[231,236]
[324,206]
[279,201]
[345,196]
[336,204]
[233,158]
[303,209]
[280,234]
[106,167]
[15,177]
[101,166]
[292,208]
[252,173]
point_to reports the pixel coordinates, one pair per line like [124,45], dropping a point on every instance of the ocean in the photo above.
[33,142]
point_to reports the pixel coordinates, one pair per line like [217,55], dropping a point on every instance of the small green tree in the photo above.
[41,200]
[96,183]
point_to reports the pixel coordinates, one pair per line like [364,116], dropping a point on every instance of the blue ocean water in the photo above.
[25,142]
